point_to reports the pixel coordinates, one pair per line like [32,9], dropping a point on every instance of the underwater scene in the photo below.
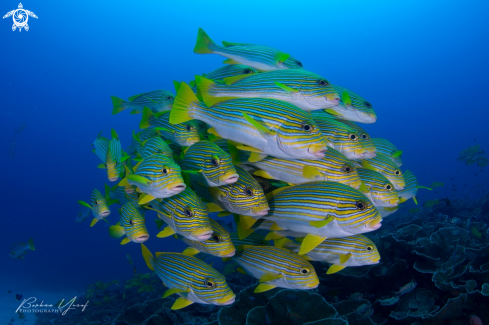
[244,162]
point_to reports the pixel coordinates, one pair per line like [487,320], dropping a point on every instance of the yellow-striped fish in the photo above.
[157,101]
[387,148]
[353,107]
[110,153]
[384,165]
[153,146]
[264,126]
[219,244]
[344,252]
[277,267]
[99,204]
[132,224]
[378,189]
[192,279]
[368,144]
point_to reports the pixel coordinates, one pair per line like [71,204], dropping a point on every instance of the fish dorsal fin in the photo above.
[157,254]
[181,303]
[335,268]
[234,79]
[246,222]
[229,44]
[274,193]
[321,223]
[344,258]
[85,204]
[214,207]
[270,277]
[363,188]
[281,242]
[171,291]
[287,89]
[262,287]
[310,242]
[255,157]
[233,151]
[311,172]
[190,251]
[281,57]
[345,98]
[177,85]
[275,227]
[165,232]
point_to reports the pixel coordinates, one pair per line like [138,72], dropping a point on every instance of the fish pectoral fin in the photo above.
[181,303]
[396,154]
[255,157]
[223,213]
[138,179]
[335,268]
[145,199]
[171,291]
[332,112]
[230,61]
[309,243]
[248,148]
[270,277]
[345,98]
[276,227]
[101,166]
[85,204]
[260,126]
[286,88]
[94,221]
[241,270]
[246,221]
[190,251]
[262,287]
[262,173]
[367,165]
[344,258]
[402,200]
[281,242]
[213,131]
[214,207]
[272,235]
[125,241]
[165,232]
[116,231]
[321,223]
[232,80]
[311,172]
[415,201]
[363,188]
[281,57]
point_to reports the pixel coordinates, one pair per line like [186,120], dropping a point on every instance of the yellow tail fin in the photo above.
[184,100]
[203,42]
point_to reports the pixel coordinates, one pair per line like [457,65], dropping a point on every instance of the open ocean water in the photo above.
[421,64]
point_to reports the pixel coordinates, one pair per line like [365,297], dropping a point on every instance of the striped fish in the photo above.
[182,134]
[157,176]
[353,107]
[356,250]
[378,189]
[321,210]
[140,137]
[371,150]
[98,205]
[219,244]
[119,194]
[411,188]
[212,164]
[341,136]
[387,148]
[153,146]
[260,57]
[185,214]
[230,71]
[245,196]
[192,279]
[264,126]
[132,224]
[384,165]
[277,267]
[110,153]
[304,89]
[254,239]
[157,101]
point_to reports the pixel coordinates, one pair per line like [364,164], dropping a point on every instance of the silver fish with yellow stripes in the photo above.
[157,100]
[378,189]
[260,57]
[157,176]
[119,194]
[192,279]
[384,165]
[230,71]
[139,138]
[212,165]
[387,148]
[277,267]
[182,134]
[153,146]
[254,239]
[185,214]
[371,150]
[99,204]
[352,107]
[340,136]
[132,224]
[245,196]
[264,126]
[110,153]
[344,252]
[304,89]
[411,188]
[321,210]
[219,244]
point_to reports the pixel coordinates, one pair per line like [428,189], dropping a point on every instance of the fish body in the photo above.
[83,214]
[406,288]
[260,57]
[18,250]
[100,208]
[119,194]
[436,184]
[386,147]
[253,239]
[277,267]
[153,146]
[231,70]
[410,189]
[383,165]
[182,134]
[192,279]
[353,107]
[132,224]
[264,126]
[380,190]
[157,100]
[245,196]
[219,244]
[212,164]
[110,152]
[185,214]
[301,88]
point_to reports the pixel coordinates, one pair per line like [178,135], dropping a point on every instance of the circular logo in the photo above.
[20,18]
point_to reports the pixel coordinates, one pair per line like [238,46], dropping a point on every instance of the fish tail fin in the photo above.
[148,257]
[146,118]
[204,85]
[203,43]
[30,243]
[184,100]
[118,105]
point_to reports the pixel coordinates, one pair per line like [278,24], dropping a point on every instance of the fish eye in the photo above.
[169,97]
[189,212]
[215,237]
[131,222]
[165,170]
[215,161]
[347,169]
[299,64]
[369,248]
[365,136]
[323,82]
[305,270]
[388,187]
[353,137]
[248,191]
[248,71]
[398,172]
[307,127]
[209,284]
[189,128]
[361,205]
[367,104]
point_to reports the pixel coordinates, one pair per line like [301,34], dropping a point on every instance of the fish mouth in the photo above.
[202,235]
[129,189]
[104,213]
[260,211]
[317,150]
[394,202]
[374,224]
[191,141]
[334,99]
[313,285]
[179,188]
[370,155]
[229,179]
[226,300]
[141,239]
[362,153]
[398,187]
[229,253]
[356,184]
[113,179]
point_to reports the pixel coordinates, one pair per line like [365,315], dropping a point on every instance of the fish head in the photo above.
[291,63]
[353,107]
[99,205]
[382,192]
[318,92]
[185,134]
[300,274]
[301,139]
[190,216]
[165,101]
[364,250]
[219,243]
[135,228]
[164,174]
[216,164]
[211,288]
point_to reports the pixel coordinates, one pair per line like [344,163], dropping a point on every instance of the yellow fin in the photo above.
[274,193]
[214,207]
[332,112]
[248,148]
[255,157]
[367,165]
[415,201]
[243,233]
[246,221]
[145,199]
[148,257]
[281,242]
[344,258]
[311,172]
[124,182]
[171,291]
[231,80]
[158,254]
[116,231]
[138,179]
[269,277]
[335,268]
[213,131]
[363,188]
[321,223]
[230,61]
[272,235]
[94,221]
[190,251]
[285,88]
[262,287]
[310,242]
[181,303]
[125,241]
[402,200]
[260,126]
[167,231]
[241,270]
[275,227]
[223,213]
[263,174]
